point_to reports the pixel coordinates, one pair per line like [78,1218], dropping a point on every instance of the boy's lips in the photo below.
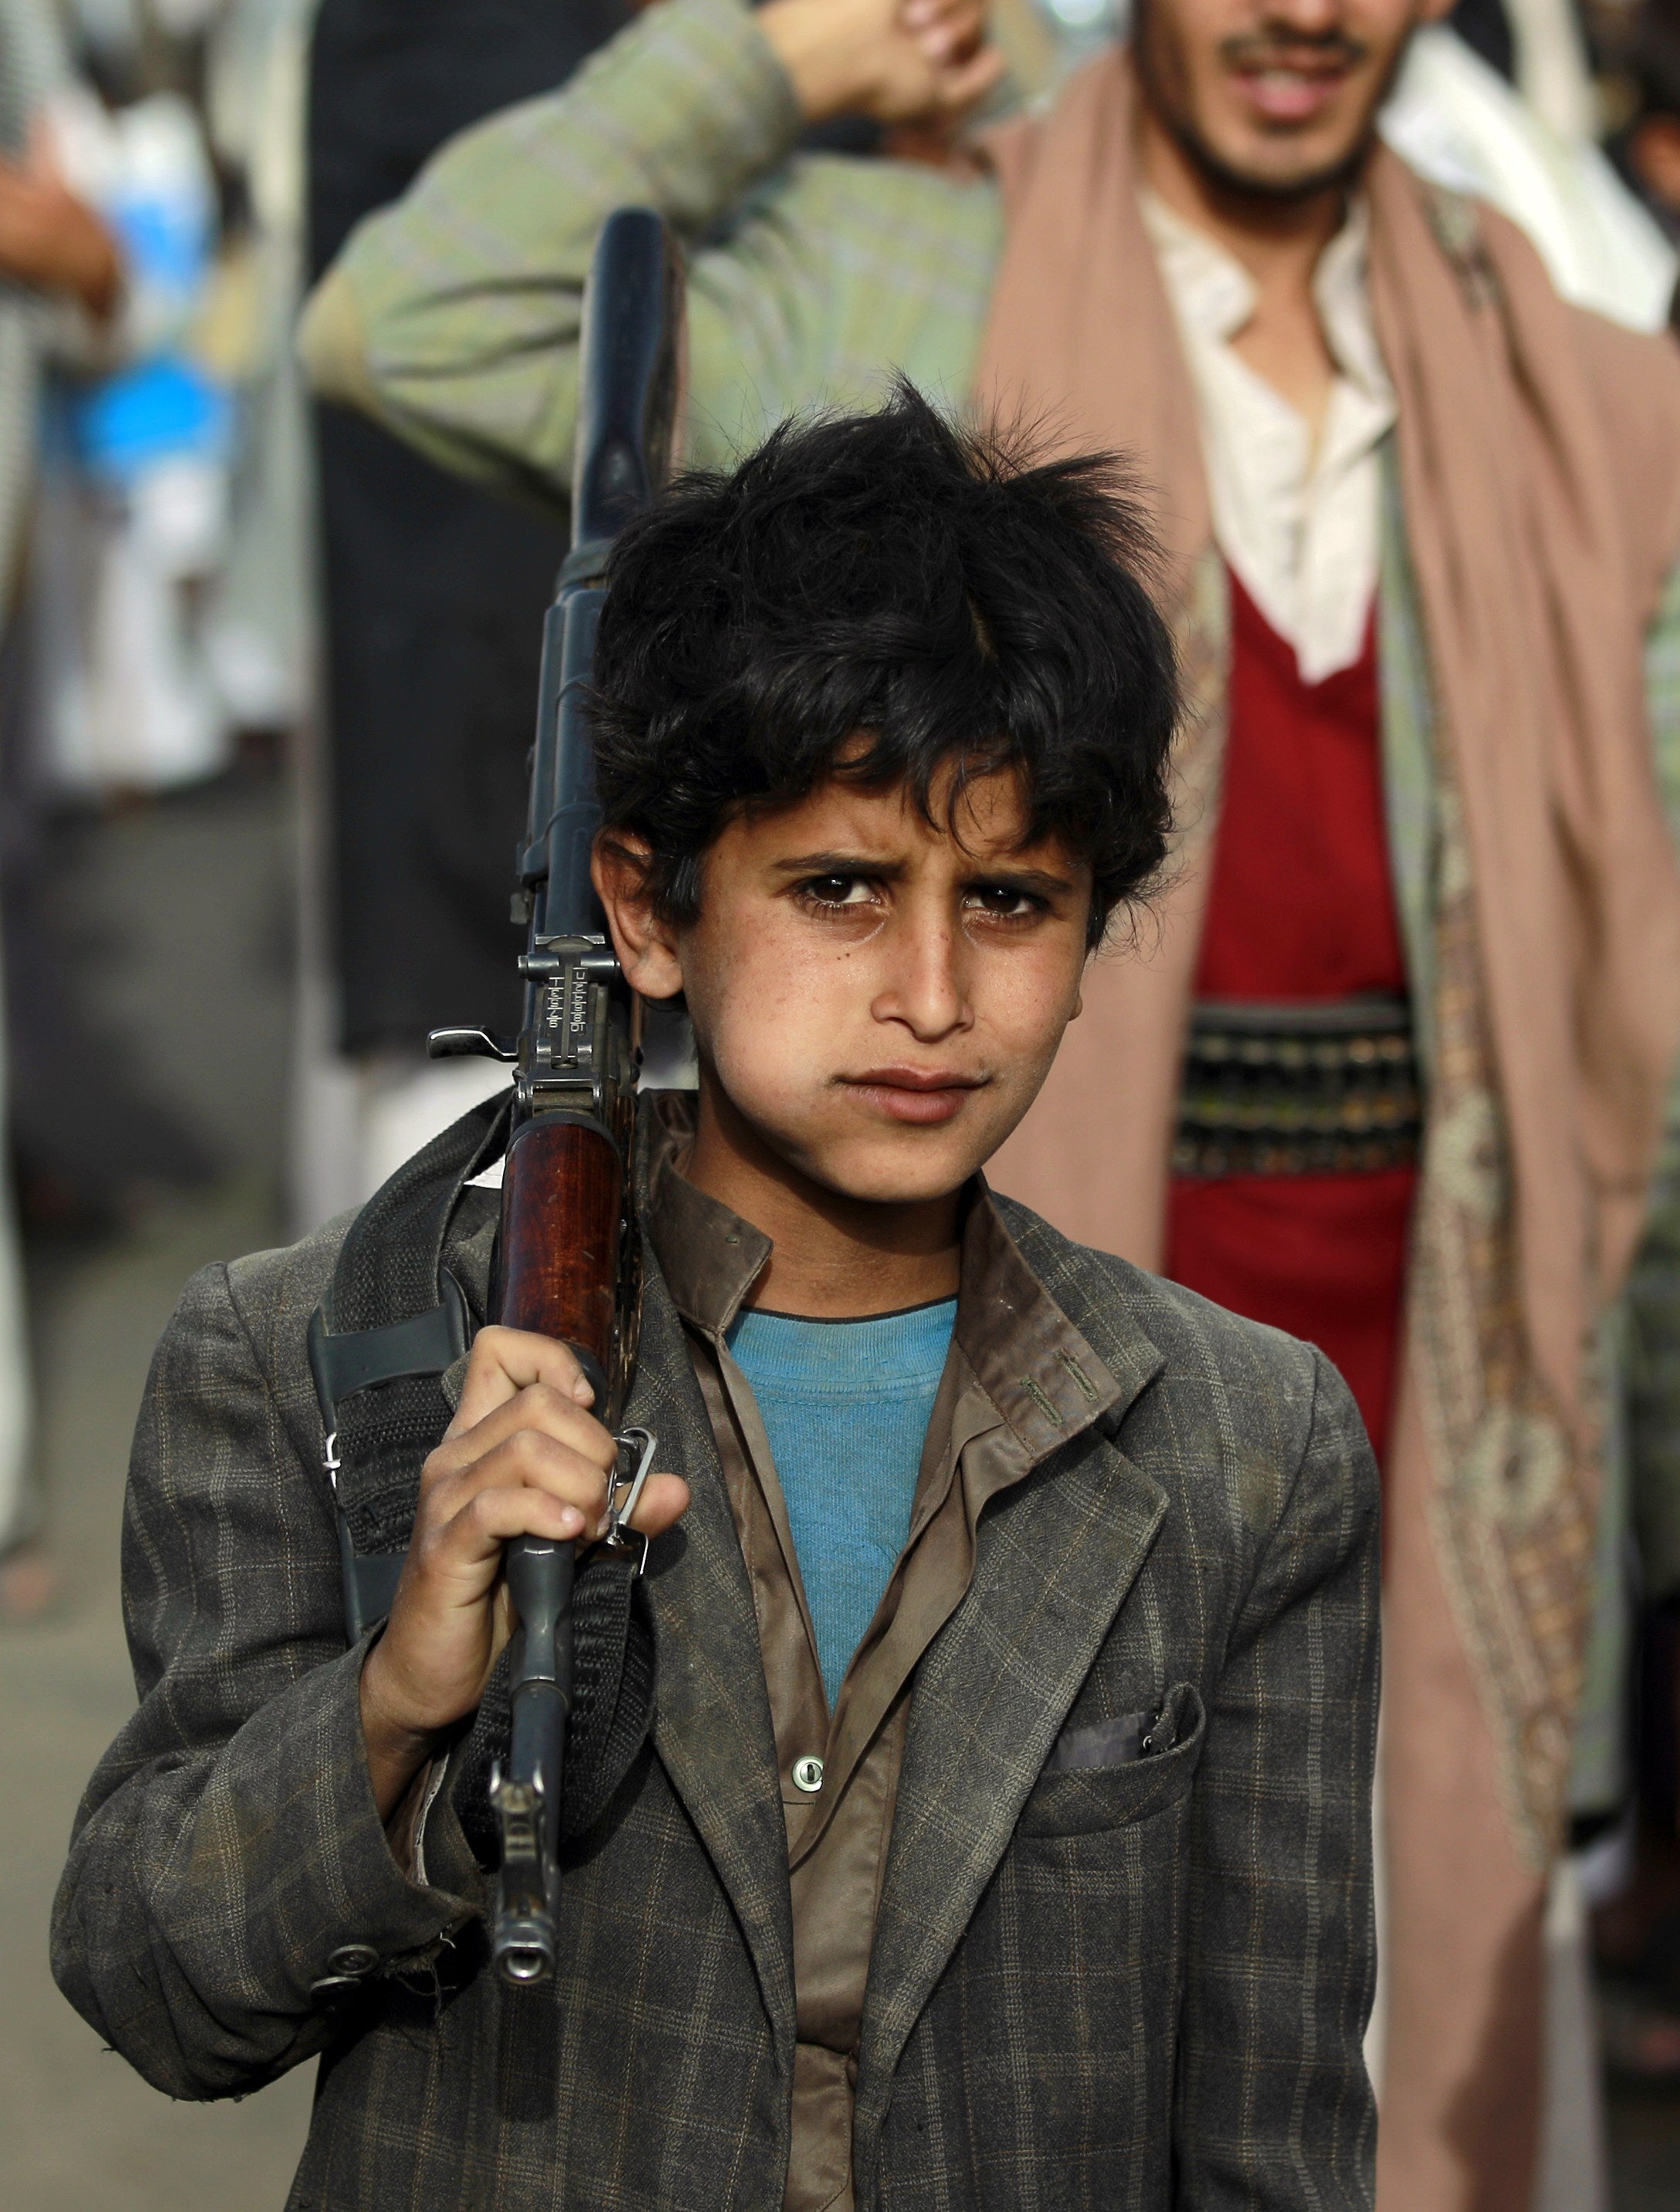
[917,1095]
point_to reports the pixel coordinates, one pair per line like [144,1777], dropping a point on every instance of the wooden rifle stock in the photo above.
[562,1170]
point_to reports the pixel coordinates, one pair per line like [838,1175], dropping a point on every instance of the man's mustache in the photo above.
[1254,50]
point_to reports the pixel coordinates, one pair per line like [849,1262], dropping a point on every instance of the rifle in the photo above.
[570,1257]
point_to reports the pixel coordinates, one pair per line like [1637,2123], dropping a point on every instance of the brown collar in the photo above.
[1040,1373]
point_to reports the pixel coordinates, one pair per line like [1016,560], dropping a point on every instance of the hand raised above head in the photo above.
[524,1457]
[894,61]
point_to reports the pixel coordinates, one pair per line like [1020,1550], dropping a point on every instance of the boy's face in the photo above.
[876,1000]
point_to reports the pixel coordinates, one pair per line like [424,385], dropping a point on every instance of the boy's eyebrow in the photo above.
[839,864]
[1044,880]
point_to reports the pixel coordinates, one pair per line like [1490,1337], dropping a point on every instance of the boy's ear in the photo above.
[645,944]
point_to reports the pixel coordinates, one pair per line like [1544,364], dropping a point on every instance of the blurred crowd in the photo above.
[153,554]
[207,573]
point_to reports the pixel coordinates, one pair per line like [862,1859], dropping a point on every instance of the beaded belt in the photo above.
[1305,1089]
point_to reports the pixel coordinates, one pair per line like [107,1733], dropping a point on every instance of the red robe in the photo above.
[1302,906]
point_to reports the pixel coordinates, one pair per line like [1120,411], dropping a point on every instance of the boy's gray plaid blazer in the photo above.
[1126,1985]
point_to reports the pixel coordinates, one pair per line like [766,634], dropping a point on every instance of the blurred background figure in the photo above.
[1460,114]
[60,262]
[432,600]
[158,649]
[157,660]
[133,520]
[156,595]
[1646,145]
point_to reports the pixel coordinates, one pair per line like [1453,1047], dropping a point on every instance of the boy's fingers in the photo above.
[538,1408]
[529,1459]
[468,1526]
[492,1519]
[505,1361]
[457,1570]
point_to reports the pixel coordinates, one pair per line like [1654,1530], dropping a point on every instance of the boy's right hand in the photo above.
[524,1457]
[894,61]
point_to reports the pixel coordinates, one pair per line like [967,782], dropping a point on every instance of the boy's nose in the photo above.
[926,984]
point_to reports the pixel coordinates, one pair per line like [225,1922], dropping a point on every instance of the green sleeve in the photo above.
[1654,1288]
[452,315]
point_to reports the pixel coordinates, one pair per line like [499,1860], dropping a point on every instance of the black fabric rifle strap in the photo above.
[390,1277]
[393,1321]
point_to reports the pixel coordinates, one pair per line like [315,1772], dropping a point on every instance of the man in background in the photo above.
[433,599]
[1394,1056]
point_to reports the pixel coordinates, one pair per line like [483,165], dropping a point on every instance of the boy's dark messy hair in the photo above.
[891,580]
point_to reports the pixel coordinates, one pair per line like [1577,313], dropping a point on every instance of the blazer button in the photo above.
[354,1959]
[808,1775]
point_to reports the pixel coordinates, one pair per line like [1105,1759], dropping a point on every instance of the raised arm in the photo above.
[452,316]
[1274,2109]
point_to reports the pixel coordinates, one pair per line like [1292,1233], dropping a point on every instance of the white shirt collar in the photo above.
[1211,289]
[1297,518]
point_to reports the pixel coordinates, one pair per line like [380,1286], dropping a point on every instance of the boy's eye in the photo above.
[837,890]
[1004,902]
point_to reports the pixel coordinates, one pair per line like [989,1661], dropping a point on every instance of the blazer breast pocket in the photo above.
[1111,1773]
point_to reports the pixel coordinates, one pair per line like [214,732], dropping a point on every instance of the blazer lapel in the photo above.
[712,1727]
[1052,1568]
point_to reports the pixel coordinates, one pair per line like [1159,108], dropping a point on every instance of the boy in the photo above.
[1003,1837]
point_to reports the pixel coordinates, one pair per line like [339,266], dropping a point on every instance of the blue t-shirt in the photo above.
[846,1406]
